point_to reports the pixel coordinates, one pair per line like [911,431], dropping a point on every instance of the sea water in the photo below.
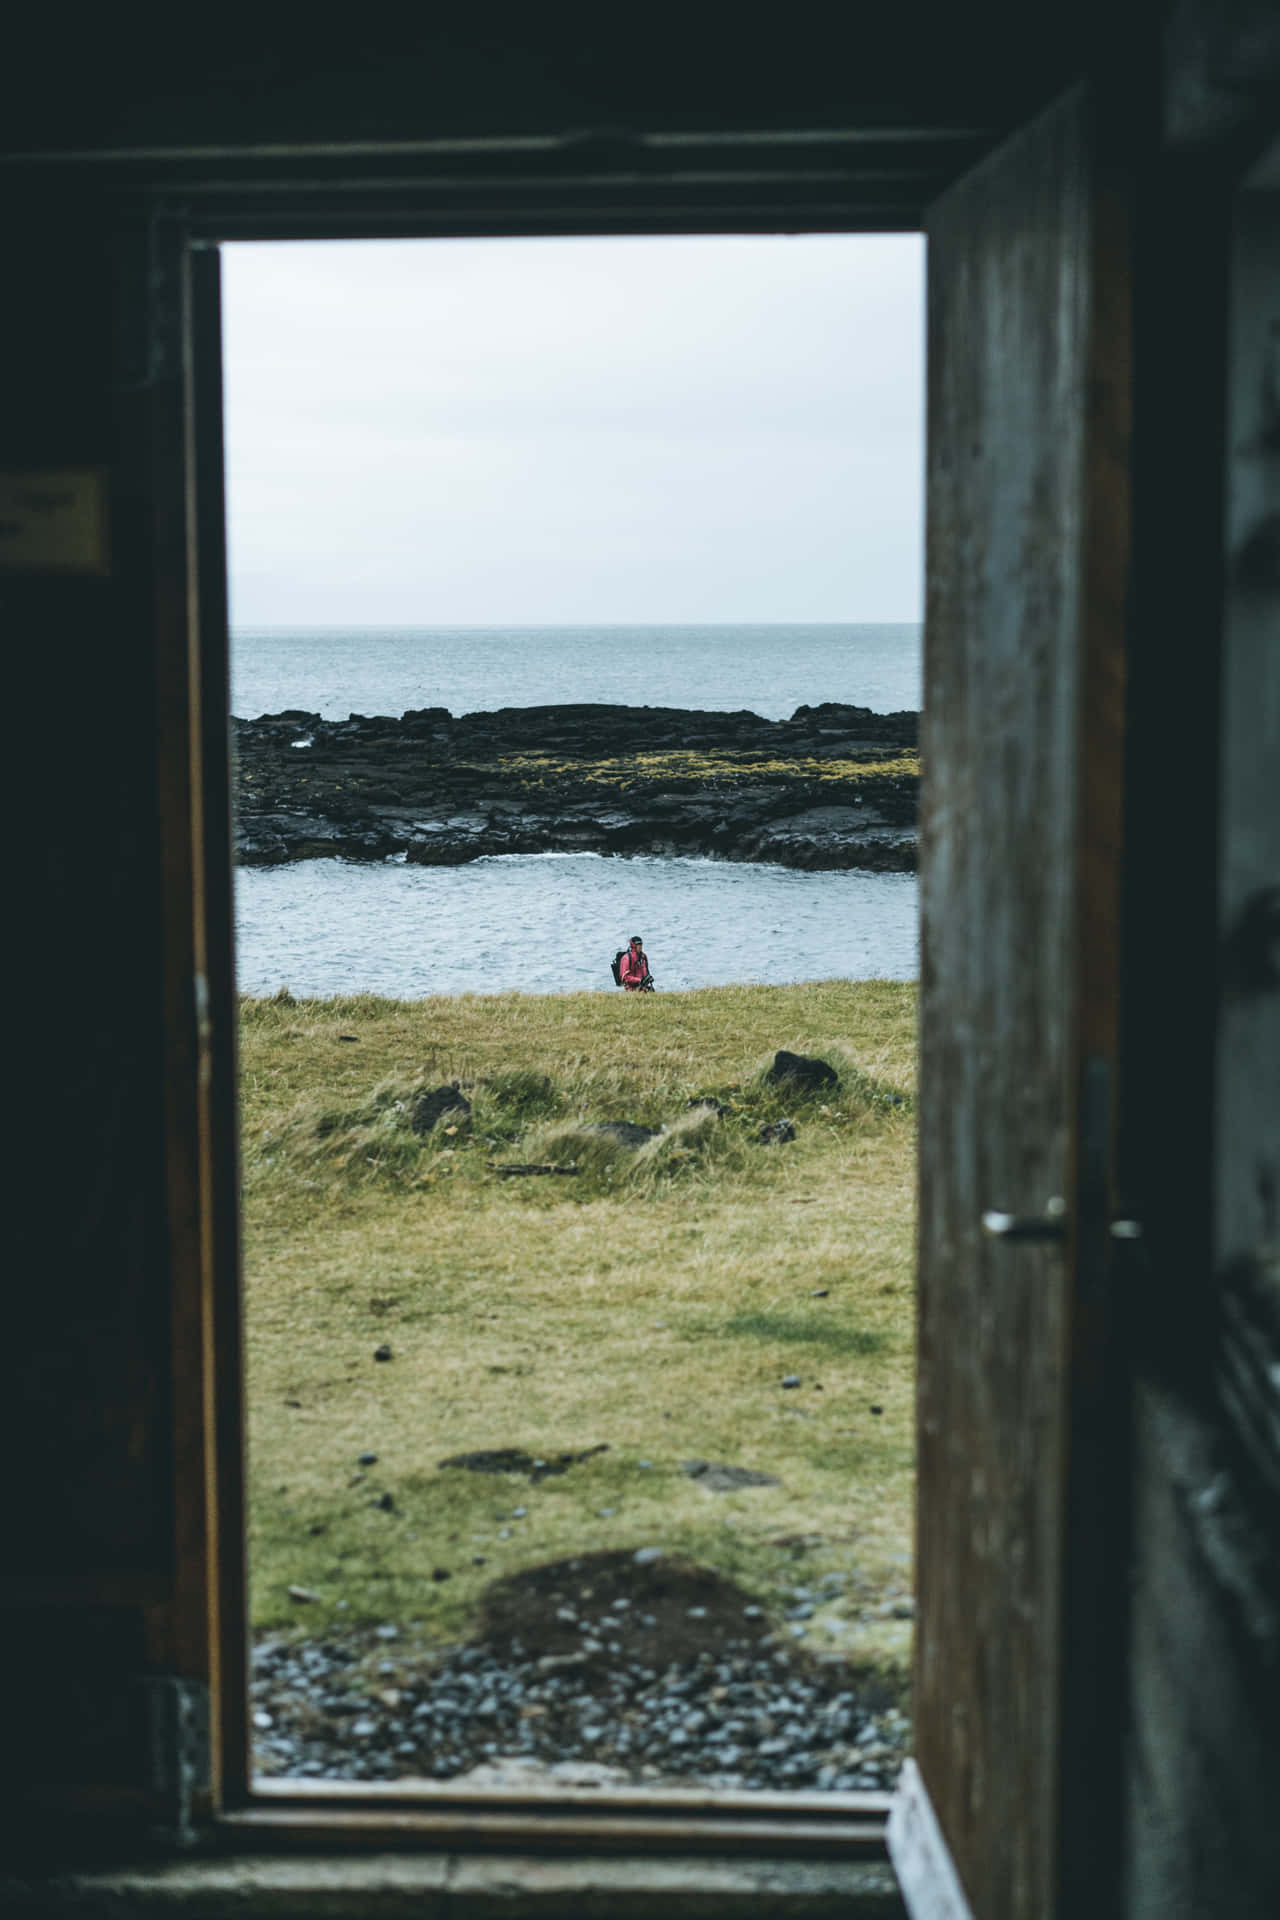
[551,923]
[770,670]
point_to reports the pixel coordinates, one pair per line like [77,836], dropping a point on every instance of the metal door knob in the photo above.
[1050,1225]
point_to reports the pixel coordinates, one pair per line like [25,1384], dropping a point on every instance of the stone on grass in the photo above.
[801,1071]
[442,1103]
[721,1479]
[626,1132]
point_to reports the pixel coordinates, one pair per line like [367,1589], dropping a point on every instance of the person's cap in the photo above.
[636,941]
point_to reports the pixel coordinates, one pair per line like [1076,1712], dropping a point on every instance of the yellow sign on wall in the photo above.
[54,522]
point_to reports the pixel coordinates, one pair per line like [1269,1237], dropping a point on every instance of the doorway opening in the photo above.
[579,1323]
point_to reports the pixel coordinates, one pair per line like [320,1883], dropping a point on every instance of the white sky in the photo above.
[546,432]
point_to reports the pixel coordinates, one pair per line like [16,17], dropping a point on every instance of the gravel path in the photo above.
[749,1715]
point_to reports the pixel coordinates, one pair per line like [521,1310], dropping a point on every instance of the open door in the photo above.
[1005,1812]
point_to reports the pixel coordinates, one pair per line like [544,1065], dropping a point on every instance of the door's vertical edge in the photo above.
[921,1857]
[164,303]
[228,1551]
[1095,1490]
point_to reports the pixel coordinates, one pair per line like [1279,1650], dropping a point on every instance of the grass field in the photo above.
[650,1303]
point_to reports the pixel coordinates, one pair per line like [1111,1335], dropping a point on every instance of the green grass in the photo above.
[653,1300]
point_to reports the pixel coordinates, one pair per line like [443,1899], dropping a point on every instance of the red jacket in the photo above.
[635,969]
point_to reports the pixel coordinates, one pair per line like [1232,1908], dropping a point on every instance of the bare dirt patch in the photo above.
[597,1607]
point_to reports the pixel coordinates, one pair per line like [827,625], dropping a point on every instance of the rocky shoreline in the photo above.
[833,787]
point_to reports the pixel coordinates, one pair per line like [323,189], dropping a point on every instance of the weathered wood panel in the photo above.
[1247,1108]
[1020,849]
[1204,1761]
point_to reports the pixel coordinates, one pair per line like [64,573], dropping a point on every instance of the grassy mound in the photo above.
[641,1311]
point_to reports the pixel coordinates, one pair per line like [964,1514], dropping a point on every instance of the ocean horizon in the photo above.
[769,669]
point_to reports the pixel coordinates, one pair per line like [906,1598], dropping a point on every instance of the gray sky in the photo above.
[546,432]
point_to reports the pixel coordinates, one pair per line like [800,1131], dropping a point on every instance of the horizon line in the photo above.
[538,626]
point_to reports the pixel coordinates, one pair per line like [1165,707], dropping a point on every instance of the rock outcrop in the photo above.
[832,787]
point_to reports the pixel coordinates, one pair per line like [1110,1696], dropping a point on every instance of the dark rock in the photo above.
[382,1353]
[516,1460]
[797,1069]
[777,1131]
[442,1103]
[425,786]
[720,1479]
[526,1169]
[385,1502]
[790,1380]
[625,1132]
[368,1460]
[441,1573]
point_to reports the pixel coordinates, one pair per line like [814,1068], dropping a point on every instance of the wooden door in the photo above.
[1005,1812]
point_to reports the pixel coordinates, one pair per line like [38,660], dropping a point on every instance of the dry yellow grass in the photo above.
[653,1302]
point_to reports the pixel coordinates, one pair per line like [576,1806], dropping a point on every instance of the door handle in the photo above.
[1049,1226]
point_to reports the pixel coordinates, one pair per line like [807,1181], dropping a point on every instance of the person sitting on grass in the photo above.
[635,968]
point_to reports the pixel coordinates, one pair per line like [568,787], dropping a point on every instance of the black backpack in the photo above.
[615,966]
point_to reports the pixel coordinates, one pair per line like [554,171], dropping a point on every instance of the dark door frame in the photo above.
[210,1415]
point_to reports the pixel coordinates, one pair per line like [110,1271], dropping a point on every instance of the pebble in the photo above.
[382,1353]
[367,1460]
[748,1717]
[791,1380]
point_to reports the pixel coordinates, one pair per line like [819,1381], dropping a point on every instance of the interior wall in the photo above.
[86,1405]
[1203,1148]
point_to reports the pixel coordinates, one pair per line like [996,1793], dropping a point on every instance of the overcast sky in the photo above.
[547,432]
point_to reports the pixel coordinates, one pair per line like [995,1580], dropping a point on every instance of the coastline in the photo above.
[832,788]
